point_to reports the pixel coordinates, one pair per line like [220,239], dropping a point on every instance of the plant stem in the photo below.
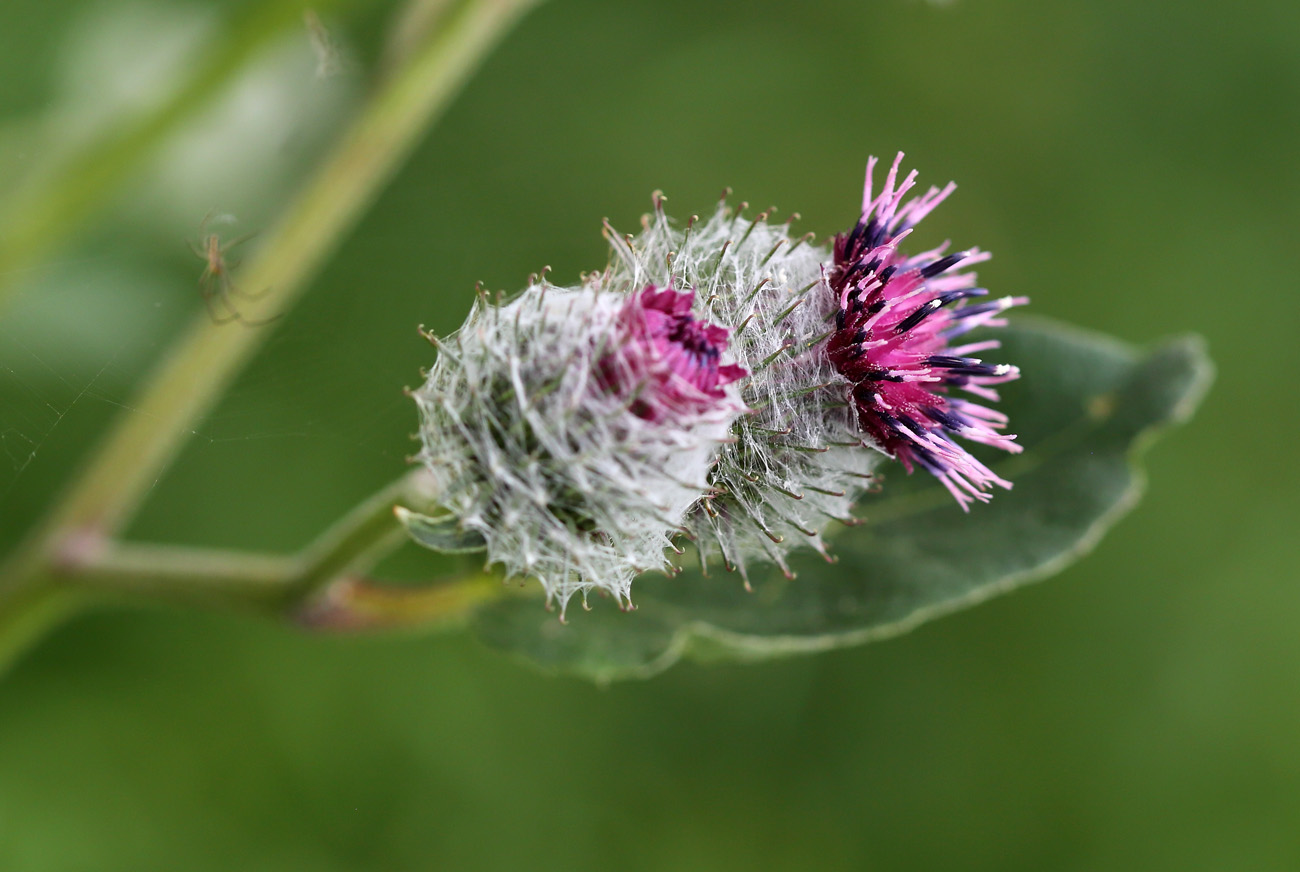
[273,585]
[28,614]
[238,579]
[358,604]
[194,373]
[192,576]
[321,588]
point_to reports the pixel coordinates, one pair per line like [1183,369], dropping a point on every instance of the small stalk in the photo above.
[361,605]
[322,587]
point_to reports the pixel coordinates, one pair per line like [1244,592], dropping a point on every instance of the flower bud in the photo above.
[573,428]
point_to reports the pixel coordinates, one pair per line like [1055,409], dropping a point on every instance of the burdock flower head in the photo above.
[573,428]
[896,316]
[722,381]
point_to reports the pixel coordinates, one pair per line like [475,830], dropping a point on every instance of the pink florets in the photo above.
[669,358]
[897,314]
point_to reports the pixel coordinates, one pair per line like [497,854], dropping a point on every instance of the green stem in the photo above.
[238,579]
[195,372]
[322,587]
[271,585]
[358,604]
[361,539]
[26,615]
[191,576]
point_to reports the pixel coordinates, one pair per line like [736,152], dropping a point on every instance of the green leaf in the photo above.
[442,533]
[1084,410]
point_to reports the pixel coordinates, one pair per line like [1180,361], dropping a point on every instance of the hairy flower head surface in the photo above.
[722,380]
[573,429]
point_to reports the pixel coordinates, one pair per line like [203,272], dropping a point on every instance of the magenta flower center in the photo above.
[897,316]
[669,359]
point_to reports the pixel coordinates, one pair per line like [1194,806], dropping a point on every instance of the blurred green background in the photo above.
[1132,167]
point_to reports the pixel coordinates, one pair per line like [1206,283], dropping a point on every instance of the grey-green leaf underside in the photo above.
[1084,410]
[442,533]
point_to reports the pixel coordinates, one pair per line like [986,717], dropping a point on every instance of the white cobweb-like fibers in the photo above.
[530,448]
[797,461]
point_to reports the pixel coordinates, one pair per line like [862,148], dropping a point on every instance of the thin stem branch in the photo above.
[194,576]
[359,604]
[266,584]
[322,587]
[353,545]
[359,540]
[29,613]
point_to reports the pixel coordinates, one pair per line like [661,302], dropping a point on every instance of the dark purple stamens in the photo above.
[895,318]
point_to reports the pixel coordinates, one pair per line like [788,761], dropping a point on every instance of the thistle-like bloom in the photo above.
[895,319]
[573,428]
[848,348]
[580,430]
